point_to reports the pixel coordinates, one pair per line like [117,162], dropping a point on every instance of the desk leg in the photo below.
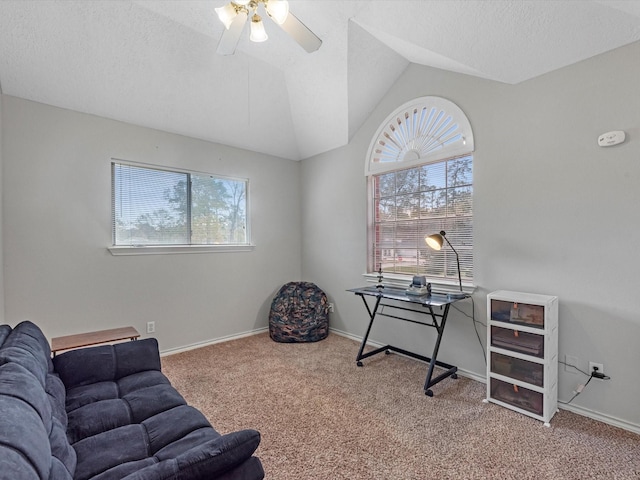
[433,362]
[372,316]
[451,370]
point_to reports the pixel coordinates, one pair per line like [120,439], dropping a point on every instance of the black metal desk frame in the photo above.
[443,302]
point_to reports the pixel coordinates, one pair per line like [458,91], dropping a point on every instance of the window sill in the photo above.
[177,249]
[403,281]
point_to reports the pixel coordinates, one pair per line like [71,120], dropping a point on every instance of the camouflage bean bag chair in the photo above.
[299,313]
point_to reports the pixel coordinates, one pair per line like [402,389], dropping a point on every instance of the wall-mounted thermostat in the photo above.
[611,138]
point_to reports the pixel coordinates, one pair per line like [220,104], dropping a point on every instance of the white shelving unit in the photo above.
[522,363]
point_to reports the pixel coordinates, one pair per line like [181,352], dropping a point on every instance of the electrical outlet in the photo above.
[151,327]
[599,366]
[331,307]
[569,360]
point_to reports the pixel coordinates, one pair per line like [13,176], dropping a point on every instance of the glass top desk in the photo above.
[435,307]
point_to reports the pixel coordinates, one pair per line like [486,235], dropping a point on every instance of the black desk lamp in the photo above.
[436,241]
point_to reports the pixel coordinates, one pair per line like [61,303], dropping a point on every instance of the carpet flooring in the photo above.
[322,417]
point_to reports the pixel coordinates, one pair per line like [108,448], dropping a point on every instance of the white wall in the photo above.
[553,214]
[57,226]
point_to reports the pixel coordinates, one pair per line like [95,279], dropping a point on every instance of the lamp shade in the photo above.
[226,14]
[278,10]
[435,241]
[258,33]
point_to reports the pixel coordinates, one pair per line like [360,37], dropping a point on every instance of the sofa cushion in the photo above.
[124,469]
[15,466]
[138,356]
[191,448]
[25,358]
[141,380]
[5,330]
[94,409]
[87,366]
[106,450]
[218,455]
[57,398]
[58,471]
[172,425]
[60,447]
[88,394]
[23,433]
[18,382]
[205,461]
[61,450]
[150,401]
[32,349]
[96,418]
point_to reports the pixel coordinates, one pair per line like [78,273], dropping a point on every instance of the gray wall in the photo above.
[554,214]
[57,226]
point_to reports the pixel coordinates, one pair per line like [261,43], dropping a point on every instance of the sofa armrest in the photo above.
[208,461]
[107,362]
[219,455]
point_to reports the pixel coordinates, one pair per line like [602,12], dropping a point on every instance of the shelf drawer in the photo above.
[517,313]
[519,397]
[521,342]
[523,370]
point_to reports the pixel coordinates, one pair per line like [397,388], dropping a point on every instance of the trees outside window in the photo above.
[162,207]
[410,204]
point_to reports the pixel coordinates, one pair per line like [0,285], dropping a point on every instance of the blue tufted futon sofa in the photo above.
[105,413]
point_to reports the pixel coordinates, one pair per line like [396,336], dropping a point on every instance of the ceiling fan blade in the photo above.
[301,33]
[230,37]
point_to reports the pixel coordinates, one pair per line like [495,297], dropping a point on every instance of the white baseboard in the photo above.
[601,417]
[193,346]
[585,412]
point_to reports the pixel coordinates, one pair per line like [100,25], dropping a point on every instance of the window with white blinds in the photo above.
[411,204]
[153,206]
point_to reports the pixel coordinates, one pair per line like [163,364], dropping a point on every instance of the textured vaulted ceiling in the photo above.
[154,63]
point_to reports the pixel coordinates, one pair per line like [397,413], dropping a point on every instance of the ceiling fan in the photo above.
[234,15]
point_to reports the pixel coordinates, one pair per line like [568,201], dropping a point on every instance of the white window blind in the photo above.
[408,205]
[420,176]
[423,130]
[162,207]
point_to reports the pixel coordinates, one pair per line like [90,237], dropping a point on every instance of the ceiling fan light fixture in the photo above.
[235,14]
[258,33]
[226,14]
[278,10]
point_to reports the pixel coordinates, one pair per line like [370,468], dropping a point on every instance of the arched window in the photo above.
[420,176]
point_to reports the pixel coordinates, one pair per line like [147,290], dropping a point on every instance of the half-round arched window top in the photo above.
[423,130]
